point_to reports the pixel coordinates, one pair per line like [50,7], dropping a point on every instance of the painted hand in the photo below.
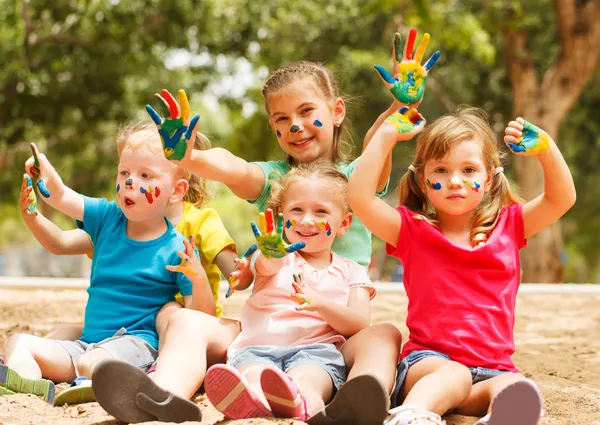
[242,274]
[308,299]
[28,200]
[525,138]
[36,171]
[407,85]
[270,240]
[190,263]
[176,131]
[404,124]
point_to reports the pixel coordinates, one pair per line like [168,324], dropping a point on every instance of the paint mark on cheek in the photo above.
[472,184]
[157,192]
[434,186]
[278,134]
[318,123]
[118,190]
[325,225]
[290,223]
[146,193]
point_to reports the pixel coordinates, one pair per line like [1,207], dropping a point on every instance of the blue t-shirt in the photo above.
[129,282]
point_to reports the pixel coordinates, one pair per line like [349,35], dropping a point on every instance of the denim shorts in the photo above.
[285,358]
[478,373]
[128,348]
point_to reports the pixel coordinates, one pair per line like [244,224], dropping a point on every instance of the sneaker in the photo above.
[284,396]
[11,382]
[410,414]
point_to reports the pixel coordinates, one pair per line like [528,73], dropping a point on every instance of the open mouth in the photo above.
[128,202]
[306,234]
[302,142]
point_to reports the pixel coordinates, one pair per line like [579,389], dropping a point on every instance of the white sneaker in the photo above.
[519,403]
[411,414]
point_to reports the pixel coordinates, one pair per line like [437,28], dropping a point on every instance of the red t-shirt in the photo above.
[461,301]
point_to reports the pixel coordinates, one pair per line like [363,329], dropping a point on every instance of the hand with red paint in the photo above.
[41,172]
[404,124]
[270,240]
[177,132]
[407,84]
[241,276]
[309,299]
[190,262]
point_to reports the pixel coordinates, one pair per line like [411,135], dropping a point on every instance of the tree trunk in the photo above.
[546,103]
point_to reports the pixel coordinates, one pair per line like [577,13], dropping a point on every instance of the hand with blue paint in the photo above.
[407,84]
[525,138]
[190,262]
[404,124]
[270,239]
[42,173]
[242,275]
[176,130]
[28,200]
[307,298]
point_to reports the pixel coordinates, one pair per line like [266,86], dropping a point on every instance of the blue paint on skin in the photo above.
[434,186]
[278,134]
[294,129]
[129,182]
[142,190]
[318,123]
[118,188]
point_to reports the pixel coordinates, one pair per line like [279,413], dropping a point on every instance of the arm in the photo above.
[379,217]
[559,194]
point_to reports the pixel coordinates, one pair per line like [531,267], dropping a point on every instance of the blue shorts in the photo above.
[285,358]
[478,373]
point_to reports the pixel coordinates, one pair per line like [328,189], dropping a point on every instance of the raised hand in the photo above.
[270,240]
[176,131]
[525,138]
[34,169]
[242,271]
[190,263]
[407,85]
[28,200]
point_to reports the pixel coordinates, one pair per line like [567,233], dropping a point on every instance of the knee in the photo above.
[21,341]
[187,320]
[460,375]
[383,334]
[90,360]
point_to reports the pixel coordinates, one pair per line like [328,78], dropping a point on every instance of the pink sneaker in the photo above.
[285,398]
[228,391]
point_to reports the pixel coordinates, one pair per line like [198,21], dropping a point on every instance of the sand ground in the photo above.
[557,337]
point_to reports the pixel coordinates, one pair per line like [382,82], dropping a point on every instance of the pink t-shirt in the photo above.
[461,300]
[269,317]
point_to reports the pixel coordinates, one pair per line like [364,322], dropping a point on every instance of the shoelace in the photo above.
[411,414]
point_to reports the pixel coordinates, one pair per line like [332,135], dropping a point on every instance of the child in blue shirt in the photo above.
[134,270]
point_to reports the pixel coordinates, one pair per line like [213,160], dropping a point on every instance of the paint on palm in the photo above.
[533,140]
[434,186]
[175,129]
[472,184]
[149,192]
[270,239]
[297,285]
[407,84]
[405,119]
[35,172]
[31,197]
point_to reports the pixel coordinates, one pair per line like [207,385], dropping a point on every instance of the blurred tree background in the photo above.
[72,71]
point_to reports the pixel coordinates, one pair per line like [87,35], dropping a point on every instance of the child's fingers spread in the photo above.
[184,257]
[387,79]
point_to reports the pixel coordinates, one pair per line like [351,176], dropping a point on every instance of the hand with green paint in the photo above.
[42,173]
[407,84]
[270,240]
[28,200]
[403,124]
[176,130]
[525,138]
[307,298]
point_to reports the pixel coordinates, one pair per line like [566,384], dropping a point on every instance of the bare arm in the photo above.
[225,260]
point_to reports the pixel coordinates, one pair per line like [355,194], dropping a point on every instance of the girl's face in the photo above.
[313,214]
[455,184]
[303,120]
[146,184]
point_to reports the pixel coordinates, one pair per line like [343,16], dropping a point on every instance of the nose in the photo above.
[129,183]
[455,182]
[295,128]
[307,221]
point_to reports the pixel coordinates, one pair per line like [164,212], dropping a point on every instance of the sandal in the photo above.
[11,382]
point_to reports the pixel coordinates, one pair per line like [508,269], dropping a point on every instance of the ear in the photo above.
[345,224]
[339,110]
[179,190]
[488,181]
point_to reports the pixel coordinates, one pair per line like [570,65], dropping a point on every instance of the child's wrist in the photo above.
[253,259]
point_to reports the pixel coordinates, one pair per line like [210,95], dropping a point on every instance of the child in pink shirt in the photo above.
[305,302]
[458,232]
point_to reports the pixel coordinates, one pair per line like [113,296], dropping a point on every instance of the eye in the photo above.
[297,209]
[305,110]
[470,170]
[123,173]
[280,119]
[146,175]
[322,211]
[440,170]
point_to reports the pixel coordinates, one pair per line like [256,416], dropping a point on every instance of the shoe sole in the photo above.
[519,403]
[283,395]
[130,395]
[75,395]
[11,381]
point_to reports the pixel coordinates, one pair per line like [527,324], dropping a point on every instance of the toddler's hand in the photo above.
[524,138]
[242,275]
[27,199]
[176,130]
[308,298]
[39,168]
[407,85]
[270,240]
[403,125]
[190,263]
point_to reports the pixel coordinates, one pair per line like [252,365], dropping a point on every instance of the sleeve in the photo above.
[212,237]
[514,224]
[408,228]
[270,169]
[96,212]
[348,169]
[360,279]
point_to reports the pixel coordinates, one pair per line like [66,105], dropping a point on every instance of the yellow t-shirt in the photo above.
[211,239]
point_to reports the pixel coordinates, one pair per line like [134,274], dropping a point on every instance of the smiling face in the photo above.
[314,214]
[303,120]
[456,183]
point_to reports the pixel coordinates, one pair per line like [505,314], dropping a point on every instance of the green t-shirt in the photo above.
[356,242]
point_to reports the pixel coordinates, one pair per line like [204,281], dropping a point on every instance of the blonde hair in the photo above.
[434,143]
[325,81]
[143,135]
[325,171]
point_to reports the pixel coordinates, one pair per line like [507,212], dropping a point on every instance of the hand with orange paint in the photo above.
[308,299]
[190,262]
[407,84]
[176,130]
[241,277]
[270,240]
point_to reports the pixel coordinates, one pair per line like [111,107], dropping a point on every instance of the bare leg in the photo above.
[65,332]
[252,373]
[162,319]
[192,341]
[362,359]
[315,383]
[90,360]
[437,385]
